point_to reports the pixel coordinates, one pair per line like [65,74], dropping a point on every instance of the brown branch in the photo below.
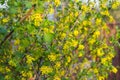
[21,20]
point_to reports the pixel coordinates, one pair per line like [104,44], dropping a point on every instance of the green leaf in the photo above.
[28,4]
[48,37]
[13,10]
[25,43]
[3,30]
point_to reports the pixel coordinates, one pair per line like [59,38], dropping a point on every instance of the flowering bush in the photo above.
[69,46]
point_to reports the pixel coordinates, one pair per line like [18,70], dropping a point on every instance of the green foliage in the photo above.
[70,45]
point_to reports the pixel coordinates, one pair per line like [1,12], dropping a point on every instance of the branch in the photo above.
[21,20]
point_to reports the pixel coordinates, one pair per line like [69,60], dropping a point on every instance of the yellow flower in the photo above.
[115,5]
[45,30]
[101,78]
[68,59]
[111,55]
[37,18]
[46,70]
[111,18]
[57,2]
[29,74]
[62,73]
[57,65]
[104,45]
[7,69]
[56,78]
[91,41]
[106,12]
[85,23]
[23,78]
[74,43]
[104,26]
[12,63]
[96,34]
[99,52]
[1,14]
[95,70]
[114,70]
[76,0]
[98,21]
[17,42]
[23,73]
[80,54]
[29,59]
[80,47]
[5,20]
[66,46]
[52,57]
[84,8]
[7,77]
[63,35]
[51,30]
[37,23]
[51,10]
[103,60]
[76,14]
[75,33]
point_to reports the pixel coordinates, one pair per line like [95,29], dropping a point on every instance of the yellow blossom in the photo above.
[100,52]
[62,73]
[57,65]
[104,26]
[57,2]
[51,30]
[105,46]
[74,43]
[45,30]
[66,46]
[17,42]
[80,54]
[95,70]
[98,21]
[96,34]
[114,70]
[37,18]
[80,47]
[7,77]
[68,59]
[30,59]
[51,10]
[76,14]
[52,57]
[105,13]
[85,23]
[56,78]
[111,55]
[91,41]
[63,35]
[12,63]
[46,70]
[5,20]
[29,74]
[7,69]
[111,19]
[84,8]
[101,78]
[1,14]
[103,60]
[23,73]
[115,5]
[75,33]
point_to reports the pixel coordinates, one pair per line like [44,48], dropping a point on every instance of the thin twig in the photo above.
[21,20]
